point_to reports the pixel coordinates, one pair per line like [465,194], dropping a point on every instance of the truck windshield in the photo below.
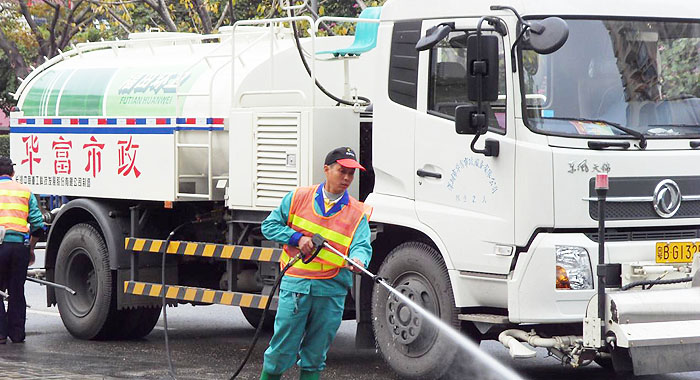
[641,75]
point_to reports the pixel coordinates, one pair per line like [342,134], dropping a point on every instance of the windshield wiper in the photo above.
[675,125]
[639,135]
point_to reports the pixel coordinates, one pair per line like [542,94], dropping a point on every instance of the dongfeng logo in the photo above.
[667,198]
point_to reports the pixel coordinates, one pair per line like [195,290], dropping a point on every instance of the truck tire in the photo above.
[621,361]
[82,264]
[409,344]
[253,317]
[136,323]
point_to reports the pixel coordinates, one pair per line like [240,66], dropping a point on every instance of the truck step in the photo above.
[485,318]
[203,295]
[218,251]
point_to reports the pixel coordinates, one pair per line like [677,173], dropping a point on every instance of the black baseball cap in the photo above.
[345,157]
[6,166]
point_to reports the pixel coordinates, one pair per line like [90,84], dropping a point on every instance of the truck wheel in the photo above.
[413,347]
[622,361]
[604,362]
[83,265]
[253,317]
[137,323]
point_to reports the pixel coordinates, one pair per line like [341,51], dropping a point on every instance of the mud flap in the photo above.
[660,328]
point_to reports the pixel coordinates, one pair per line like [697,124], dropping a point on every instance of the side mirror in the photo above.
[484,65]
[547,36]
[468,121]
[434,35]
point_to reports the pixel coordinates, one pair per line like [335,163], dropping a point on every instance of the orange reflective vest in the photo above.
[338,229]
[14,206]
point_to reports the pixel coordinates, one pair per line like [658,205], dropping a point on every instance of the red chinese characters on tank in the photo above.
[92,151]
[127,158]
[62,162]
[94,156]
[31,150]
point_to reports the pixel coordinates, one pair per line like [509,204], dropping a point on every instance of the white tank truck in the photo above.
[496,234]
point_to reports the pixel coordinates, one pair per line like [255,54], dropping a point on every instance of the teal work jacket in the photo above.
[276,229]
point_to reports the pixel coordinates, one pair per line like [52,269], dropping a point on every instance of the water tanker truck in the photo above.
[489,122]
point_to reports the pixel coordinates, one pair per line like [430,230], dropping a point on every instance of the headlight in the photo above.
[573,268]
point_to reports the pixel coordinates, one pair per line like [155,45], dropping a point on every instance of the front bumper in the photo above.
[532,294]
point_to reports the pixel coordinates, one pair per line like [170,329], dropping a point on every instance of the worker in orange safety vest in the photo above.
[312,296]
[19,216]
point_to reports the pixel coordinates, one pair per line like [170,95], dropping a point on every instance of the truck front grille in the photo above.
[642,235]
[638,210]
[632,198]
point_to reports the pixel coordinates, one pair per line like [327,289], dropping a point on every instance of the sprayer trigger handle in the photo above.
[318,240]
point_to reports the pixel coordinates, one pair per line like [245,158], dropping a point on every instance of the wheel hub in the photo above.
[83,279]
[405,323]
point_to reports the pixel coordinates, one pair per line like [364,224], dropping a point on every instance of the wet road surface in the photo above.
[207,342]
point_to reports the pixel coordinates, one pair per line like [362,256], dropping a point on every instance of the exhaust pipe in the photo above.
[512,338]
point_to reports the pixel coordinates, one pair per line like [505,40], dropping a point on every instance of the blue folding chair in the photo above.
[365,35]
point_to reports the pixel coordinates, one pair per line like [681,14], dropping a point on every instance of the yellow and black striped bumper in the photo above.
[219,251]
[186,293]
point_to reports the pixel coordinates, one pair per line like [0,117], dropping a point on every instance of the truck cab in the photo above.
[516,225]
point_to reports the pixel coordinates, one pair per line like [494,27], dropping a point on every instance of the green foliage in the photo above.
[8,83]
[679,67]
[4,145]
[343,8]
[112,19]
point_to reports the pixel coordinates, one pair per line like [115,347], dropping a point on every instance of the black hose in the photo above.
[366,101]
[656,282]
[264,313]
[171,369]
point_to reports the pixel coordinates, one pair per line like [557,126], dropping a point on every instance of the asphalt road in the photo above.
[208,342]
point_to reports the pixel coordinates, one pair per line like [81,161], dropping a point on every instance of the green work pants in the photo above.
[305,325]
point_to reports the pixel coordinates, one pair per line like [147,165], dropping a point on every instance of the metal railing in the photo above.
[271,23]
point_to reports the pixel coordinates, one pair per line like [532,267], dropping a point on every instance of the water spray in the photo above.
[471,347]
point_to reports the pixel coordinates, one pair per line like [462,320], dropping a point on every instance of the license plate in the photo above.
[677,252]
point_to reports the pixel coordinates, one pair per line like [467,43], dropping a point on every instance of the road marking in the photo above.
[42,312]
[56,314]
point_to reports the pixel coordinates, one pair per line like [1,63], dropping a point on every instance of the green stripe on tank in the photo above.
[36,98]
[50,105]
[84,93]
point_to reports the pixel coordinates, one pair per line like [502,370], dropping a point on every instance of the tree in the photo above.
[32,31]
[52,25]
[8,82]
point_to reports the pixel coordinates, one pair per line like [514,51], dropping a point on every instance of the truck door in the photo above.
[466,197]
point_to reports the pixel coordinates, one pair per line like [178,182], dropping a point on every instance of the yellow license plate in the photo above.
[677,252]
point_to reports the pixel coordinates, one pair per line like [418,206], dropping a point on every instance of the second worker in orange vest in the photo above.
[19,216]
[312,296]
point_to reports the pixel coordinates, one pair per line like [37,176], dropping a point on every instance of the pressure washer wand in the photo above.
[320,241]
[37,275]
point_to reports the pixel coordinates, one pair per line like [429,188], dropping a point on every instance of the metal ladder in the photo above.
[179,146]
